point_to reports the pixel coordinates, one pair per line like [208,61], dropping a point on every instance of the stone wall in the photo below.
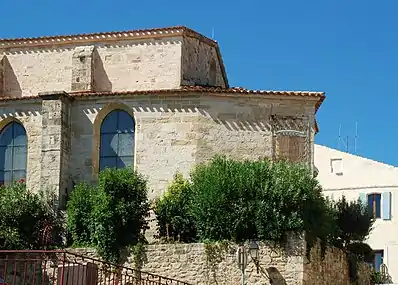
[190,263]
[173,133]
[119,66]
[200,64]
[28,72]
[141,64]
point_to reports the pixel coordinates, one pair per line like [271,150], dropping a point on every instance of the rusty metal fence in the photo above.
[38,267]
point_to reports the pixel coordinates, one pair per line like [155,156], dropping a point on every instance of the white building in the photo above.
[375,183]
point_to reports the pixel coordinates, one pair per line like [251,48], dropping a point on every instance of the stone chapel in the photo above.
[157,100]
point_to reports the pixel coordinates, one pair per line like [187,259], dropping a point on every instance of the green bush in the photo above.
[28,220]
[291,201]
[172,211]
[79,211]
[225,197]
[109,216]
[240,200]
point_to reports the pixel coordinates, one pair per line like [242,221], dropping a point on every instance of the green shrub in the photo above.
[224,198]
[79,211]
[111,216]
[172,211]
[237,201]
[291,201]
[28,220]
[241,200]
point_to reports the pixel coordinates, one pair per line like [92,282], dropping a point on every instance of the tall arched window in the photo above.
[117,140]
[13,153]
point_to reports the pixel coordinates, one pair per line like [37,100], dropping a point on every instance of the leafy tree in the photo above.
[109,216]
[292,201]
[172,211]
[353,223]
[79,211]
[28,220]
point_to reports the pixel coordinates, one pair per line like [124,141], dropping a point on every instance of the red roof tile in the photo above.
[59,39]
[190,89]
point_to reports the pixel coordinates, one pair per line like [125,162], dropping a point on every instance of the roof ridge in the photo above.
[158,32]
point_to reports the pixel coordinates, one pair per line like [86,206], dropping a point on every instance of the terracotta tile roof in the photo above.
[191,89]
[205,89]
[103,36]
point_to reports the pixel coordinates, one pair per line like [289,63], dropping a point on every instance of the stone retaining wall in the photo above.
[191,263]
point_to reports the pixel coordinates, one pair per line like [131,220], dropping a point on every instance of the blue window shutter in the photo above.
[363,198]
[377,199]
[378,260]
[386,211]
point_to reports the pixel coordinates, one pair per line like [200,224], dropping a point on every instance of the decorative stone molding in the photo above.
[291,138]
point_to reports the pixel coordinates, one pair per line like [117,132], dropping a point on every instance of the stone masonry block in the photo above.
[83,68]
[55,147]
[1,76]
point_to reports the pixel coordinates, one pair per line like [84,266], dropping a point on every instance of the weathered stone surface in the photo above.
[200,64]
[142,64]
[190,263]
[83,68]
[38,69]
[55,147]
[1,75]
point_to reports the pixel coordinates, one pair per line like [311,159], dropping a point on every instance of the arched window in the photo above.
[117,140]
[13,153]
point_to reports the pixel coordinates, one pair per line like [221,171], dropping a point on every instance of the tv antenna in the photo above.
[343,143]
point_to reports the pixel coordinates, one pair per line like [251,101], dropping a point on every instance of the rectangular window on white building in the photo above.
[336,166]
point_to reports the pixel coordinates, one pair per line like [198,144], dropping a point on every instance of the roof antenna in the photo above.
[212,33]
[356,137]
[339,137]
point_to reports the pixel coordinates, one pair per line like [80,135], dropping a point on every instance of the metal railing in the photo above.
[58,267]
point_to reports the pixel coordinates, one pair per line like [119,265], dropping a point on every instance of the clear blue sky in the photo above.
[349,49]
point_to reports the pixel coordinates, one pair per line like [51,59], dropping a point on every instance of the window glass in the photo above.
[13,153]
[117,140]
